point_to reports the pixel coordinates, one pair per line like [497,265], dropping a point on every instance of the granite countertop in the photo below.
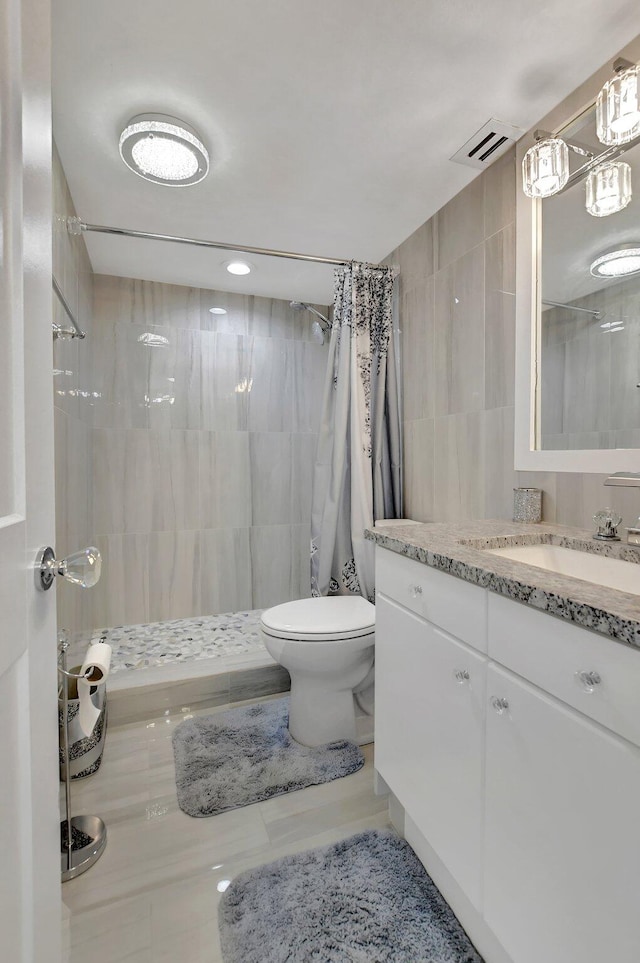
[458,550]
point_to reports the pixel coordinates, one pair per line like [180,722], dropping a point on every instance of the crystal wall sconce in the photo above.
[608,189]
[618,105]
[545,166]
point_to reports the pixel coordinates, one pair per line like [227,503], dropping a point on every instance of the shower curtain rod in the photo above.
[76,226]
[77,330]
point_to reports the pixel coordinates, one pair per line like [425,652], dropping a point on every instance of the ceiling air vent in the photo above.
[489,143]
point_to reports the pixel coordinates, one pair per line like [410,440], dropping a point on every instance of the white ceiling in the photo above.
[330,123]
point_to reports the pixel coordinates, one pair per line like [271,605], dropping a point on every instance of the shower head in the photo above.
[320,327]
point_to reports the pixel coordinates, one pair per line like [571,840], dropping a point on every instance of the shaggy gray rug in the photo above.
[366,899]
[246,755]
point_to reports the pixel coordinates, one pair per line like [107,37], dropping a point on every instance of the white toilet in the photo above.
[327,645]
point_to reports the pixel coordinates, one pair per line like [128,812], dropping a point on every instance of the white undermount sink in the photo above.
[615,573]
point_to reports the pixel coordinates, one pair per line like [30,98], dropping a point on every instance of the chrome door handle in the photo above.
[82,568]
[500,704]
[589,679]
[461,676]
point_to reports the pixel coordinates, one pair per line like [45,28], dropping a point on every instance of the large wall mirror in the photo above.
[578,356]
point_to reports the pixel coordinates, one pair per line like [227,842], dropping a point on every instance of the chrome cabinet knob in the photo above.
[461,676]
[500,704]
[82,568]
[415,591]
[589,679]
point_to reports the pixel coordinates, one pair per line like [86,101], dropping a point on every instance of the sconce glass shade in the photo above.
[608,189]
[618,108]
[545,167]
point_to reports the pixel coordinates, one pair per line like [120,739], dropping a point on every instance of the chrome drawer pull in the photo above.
[461,676]
[589,680]
[415,591]
[499,704]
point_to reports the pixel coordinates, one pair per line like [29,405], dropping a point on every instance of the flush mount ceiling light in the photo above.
[164,150]
[618,105]
[620,263]
[238,267]
[608,189]
[545,166]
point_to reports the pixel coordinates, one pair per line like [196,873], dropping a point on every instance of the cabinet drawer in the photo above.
[448,602]
[560,658]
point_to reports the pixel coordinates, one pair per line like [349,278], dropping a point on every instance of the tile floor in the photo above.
[152,897]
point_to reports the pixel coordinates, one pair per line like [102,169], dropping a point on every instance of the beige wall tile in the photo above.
[499,182]
[415,257]
[500,319]
[459,467]
[226,576]
[460,224]
[459,335]
[417,320]
[121,597]
[419,462]
[174,575]
[225,479]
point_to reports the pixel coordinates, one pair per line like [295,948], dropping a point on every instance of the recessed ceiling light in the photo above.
[164,150]
[217,311]
[617,264]
[238,267]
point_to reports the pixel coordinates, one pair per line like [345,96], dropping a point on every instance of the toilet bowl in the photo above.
[327,646]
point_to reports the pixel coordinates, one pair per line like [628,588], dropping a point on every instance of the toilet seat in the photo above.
[320,619]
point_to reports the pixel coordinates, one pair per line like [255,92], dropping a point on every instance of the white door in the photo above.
[29,817]
[430,692]
[562,854]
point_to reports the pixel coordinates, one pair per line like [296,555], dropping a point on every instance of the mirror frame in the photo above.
[528,244]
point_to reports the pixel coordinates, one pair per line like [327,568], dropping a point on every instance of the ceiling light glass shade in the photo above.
[617,264]
[238,267]
[545,167]
[164,150]
[618,108]
[608,189]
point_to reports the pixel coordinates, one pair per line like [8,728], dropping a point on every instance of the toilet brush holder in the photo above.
[82,838]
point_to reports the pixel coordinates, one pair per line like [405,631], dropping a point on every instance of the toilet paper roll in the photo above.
[95,670]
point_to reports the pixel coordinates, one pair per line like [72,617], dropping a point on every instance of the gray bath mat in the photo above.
[246,755]
[366,899]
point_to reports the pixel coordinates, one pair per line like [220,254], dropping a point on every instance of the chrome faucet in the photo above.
[624,479]
[607,522]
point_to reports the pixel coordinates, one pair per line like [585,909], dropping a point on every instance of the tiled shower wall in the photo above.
[72,403]
[458,339]
[203,446]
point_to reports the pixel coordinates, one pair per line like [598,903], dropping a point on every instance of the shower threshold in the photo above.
[185,664]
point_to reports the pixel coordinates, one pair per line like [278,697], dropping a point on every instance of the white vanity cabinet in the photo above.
[430,692]
[522,781]
[562,837]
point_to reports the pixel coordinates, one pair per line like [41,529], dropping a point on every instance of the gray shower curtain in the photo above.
[357,477]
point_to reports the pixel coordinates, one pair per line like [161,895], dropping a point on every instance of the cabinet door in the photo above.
[562,844]
[429,735]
